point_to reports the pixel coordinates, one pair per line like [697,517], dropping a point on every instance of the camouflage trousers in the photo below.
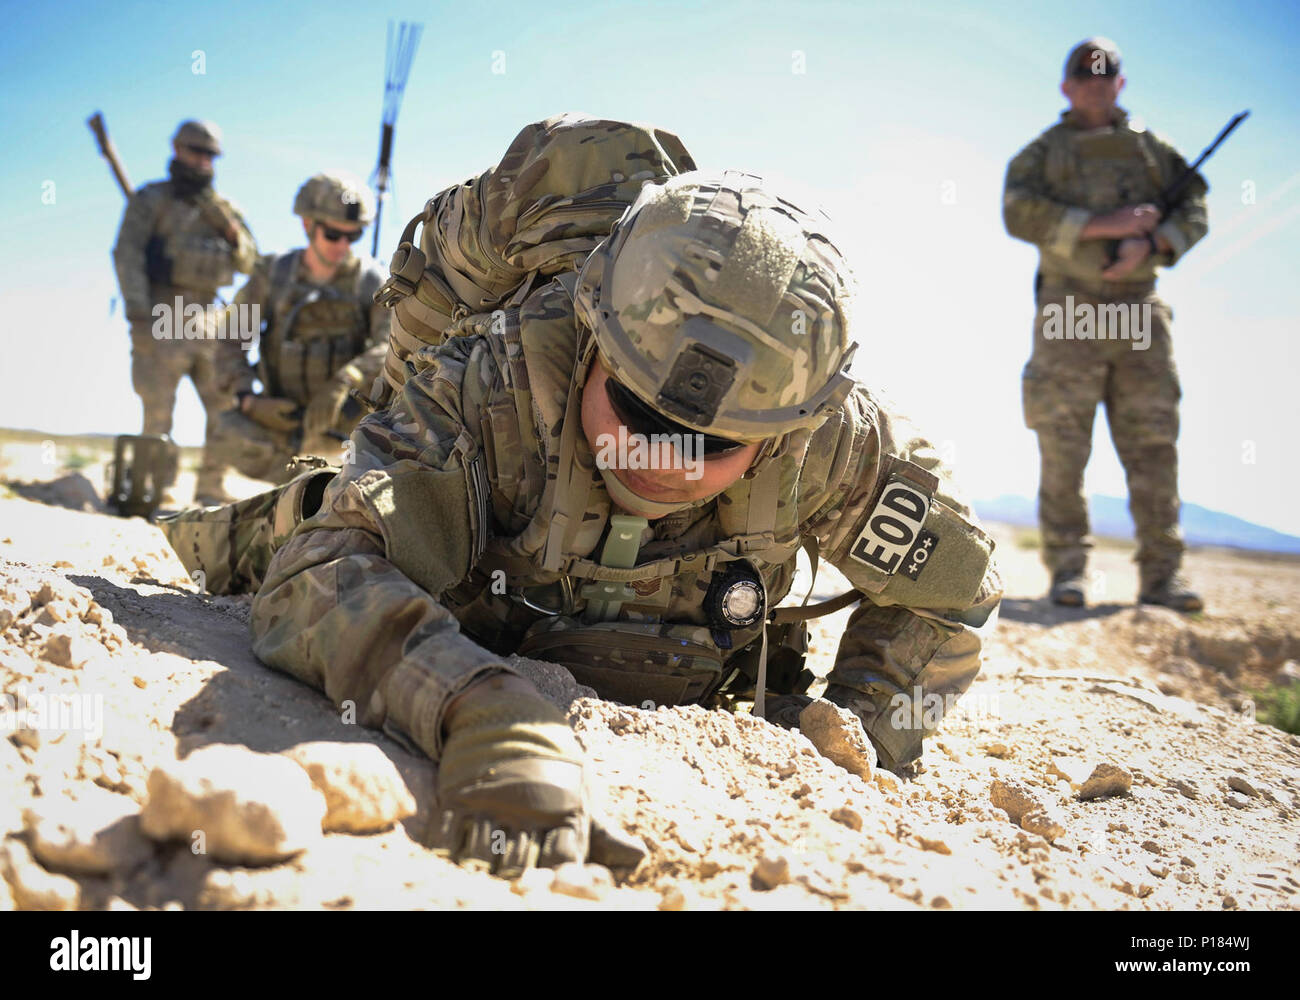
[256,451]
[157,367]
[1114,350]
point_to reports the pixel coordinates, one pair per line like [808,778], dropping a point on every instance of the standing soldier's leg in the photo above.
[156,370]
[1062,384]
[203,373]
[1142,409]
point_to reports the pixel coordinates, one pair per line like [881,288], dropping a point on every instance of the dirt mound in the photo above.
[1099,761]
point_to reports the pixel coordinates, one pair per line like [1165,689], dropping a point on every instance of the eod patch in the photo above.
[893,537]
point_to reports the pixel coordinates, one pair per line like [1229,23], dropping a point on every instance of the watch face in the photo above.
[742,603]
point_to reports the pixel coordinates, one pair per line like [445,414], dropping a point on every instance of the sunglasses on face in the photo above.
[200,151]
[640,418]
[334,235]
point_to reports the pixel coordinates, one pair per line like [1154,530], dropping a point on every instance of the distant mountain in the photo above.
[1110,517]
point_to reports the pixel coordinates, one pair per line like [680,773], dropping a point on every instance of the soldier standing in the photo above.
[1084,193]
[488,510]
[322,335]
[178,243]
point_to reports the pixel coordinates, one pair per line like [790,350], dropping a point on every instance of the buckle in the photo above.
[404,271]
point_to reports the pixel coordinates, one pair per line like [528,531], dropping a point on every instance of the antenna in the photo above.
[400,53]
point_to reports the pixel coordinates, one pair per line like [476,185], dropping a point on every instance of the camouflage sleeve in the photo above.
[912,647]
[1028,212]
[349,604]
[129,255]
[234,372]
[245,250]
[1186,221]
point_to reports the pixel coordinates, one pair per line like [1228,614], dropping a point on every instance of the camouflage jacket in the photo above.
[311,334]
[387,598]
[168,244]
[1069,174]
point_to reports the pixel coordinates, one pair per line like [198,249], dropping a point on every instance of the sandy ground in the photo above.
[1106,758]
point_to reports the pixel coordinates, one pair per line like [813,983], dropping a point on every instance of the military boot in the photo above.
[1067,588]
[208,489]
[1170,589]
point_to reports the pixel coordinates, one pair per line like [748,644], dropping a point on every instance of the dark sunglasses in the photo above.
[202,151]
[334,235]
[640,418]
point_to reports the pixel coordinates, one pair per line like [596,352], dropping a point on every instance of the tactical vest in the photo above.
[1099,169]
[185,251]
[554,509]
[313,329]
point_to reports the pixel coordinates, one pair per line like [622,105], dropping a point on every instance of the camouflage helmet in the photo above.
[334,195]
[204,135]
[723,306]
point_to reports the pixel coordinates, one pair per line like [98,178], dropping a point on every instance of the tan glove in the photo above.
[271,412]
[216,215]
[513,790]
[322,412]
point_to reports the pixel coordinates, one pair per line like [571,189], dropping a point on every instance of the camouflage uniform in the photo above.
[316,339]
[467,523]
[170,247]
[1054,186]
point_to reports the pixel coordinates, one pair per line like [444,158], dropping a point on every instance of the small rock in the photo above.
[54,612]
[26,737]
[93,834]
[1106,779]
[887,782]
[999,750]
[363,791]
[1229,903]
[32,886]
[1157,869]
[583,881]
[1044,823]
[1236,801]
[772,870]
[1240,784]
[1152,846]
[251,808]
[672,899]
[65,648]
[849,817]
[930,842]
[839,737]
[1015,797]
[1186,787]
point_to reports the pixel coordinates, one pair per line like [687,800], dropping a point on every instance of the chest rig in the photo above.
[314,329]
[656,641]
[1102,169]
[192,253]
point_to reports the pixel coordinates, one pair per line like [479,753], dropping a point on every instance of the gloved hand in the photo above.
[783,709]
[513,790]
[323,411]
[271,412]
[216,215]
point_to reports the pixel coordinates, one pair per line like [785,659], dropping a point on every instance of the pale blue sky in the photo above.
[896,101]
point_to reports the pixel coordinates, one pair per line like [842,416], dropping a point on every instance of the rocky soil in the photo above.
[1106,758]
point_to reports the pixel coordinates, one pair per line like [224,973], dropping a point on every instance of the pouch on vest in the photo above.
[201,262]
[631,662]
